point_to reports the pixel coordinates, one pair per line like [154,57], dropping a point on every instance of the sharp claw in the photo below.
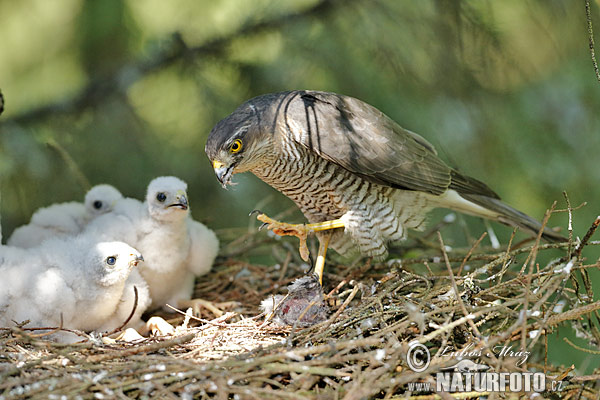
[303,249]
[312,264]
[254,212]
[264,225]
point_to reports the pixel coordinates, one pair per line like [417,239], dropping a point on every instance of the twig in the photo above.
[589,351]
[532,260]
[577,253]
[455,286]
[135,303]
[343,307]
[469,253]
[490,257]
[275,307]
[588,15]
[284,267]
[570,226]
[448,327]
[536,246]
[336,289]
[141,349]
[60,327]
[280,367]
[506,262]
[204,303]
[297,353]
[224,317]
[586,378]
[20,330]
[573,314]
[562,210]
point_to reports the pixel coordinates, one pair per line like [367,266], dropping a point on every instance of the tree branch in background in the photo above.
[1,102]
[71,164]
[102,87]
[588,14]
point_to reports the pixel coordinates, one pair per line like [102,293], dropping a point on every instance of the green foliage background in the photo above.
[123,91]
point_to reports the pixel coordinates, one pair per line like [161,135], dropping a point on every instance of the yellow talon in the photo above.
[285,229]
[301,231]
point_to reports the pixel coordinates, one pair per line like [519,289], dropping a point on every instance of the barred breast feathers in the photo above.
[373,214]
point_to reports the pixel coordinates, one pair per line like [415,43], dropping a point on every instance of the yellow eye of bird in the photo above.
[236,146]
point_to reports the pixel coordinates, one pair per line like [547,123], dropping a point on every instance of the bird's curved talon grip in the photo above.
[285,229]
[254,212]
[303,249]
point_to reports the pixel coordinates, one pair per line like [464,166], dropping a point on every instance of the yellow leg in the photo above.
[284,228]
[325,225]
[320,264]
[301,231]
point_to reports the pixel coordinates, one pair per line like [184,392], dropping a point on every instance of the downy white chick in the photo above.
[101,199]
[204,248]
[175,248]
[126,303]
[78,278]
[65,218]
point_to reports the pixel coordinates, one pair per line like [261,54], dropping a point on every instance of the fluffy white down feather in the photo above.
[175,247]
[65,219]
[126,303]
[203,249]
[79,278]
[101,199]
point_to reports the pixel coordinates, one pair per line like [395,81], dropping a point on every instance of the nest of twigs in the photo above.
[474,299]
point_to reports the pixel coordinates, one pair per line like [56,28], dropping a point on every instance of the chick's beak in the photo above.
[181,202]
[137,258]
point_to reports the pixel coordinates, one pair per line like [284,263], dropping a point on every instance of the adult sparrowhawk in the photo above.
[359,178]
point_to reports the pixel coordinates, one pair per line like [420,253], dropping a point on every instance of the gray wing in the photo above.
[363,140]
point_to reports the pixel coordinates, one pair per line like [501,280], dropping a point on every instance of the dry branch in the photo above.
[102,87]
[588,15]
[361,351]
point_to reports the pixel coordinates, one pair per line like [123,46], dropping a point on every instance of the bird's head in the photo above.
[241,141]
[167,199]
[113,261]
[101,199]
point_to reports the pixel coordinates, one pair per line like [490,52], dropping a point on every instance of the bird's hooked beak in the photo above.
[182,201]
[223,172]
[137,258]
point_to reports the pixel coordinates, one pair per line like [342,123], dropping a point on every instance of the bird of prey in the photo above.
[360,179]
[76,281]
[176,248]
[67,219]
